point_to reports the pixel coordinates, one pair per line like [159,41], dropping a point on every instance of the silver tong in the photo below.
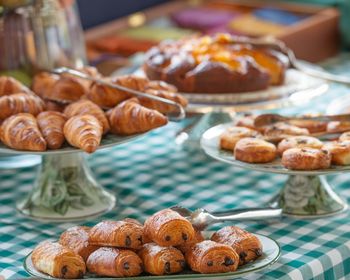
[180,110]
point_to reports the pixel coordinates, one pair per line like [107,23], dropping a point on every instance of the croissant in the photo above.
[51,125]
[129,117]
[247,245]
[169,228]
[77,239]
[160,85]
[83,132]
[58,261]
[54,106]
[117,234]
[159,106]
[114,262]
[107,97]
[159,260]
[20,103]
[21,132]
[9,85]
[43,84]
[83,107]
[211,257]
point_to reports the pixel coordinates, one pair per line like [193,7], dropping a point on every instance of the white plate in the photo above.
[271,253]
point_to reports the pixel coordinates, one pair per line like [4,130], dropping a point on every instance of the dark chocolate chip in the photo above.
[228,261]
[127,241]
[182,263]
[167,267]
[184,236]
[258,252]
[210,263]
[64,270]
[140,239]
[242,256]
[167,238]
[126,266]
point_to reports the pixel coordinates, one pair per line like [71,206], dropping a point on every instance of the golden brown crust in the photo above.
[212,257]
[54,106]
[254,150]
[21,132]
[340,152]
[299,142]
[20,103]
[169,228]
[117,234]
[9,85]
[247,245]
[198,237]
[158,260]
[232,135]
[58,261]
[129,117]
[51,126]
[311,125]
[279,131]
[83,132]
[77,239]
[306,159]
[83,107]
[114,262]
[43,84]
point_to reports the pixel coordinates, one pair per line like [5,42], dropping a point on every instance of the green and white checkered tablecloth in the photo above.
[153,173]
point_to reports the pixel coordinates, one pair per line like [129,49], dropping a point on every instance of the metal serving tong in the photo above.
[270,42]
[201,218]
[180,110]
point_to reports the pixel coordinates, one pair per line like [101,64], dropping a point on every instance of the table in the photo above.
[153,173]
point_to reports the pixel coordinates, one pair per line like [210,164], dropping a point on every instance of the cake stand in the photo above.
[65,188]
[305,194]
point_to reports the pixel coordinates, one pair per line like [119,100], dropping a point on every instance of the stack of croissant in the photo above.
[61,108]
[165,244]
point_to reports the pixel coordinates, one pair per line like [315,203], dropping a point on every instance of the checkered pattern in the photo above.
[153,173]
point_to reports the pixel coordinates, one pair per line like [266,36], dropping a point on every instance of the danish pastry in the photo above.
[117,234]
[340,152]
[299,142]
[169,228]
[158,260]
[58,261]
[51,125]
[254,150]
[114,262]
[233,134]
[306,159]
[212,257]
[77,239]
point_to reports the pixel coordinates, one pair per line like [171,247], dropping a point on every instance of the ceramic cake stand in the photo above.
[305,194]
[65,188]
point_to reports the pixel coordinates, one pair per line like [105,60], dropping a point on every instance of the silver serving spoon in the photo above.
[180,110]
[201,218]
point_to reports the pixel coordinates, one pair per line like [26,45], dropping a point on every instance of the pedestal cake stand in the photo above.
[65,188]
[305,194]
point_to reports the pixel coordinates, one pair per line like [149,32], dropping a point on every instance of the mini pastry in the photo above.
[20,103]
[169,228]
[345,136]
[299,142]
[254,150]
[130,117]
[77,239]
[9,85]
[51,125]
[279,131]
[340,152]
[212,257]
[334,127]
[83,107]
[114,262]
[83,132]
[306,159]
[58,261]
[117,234]
[21,132]
[233,134]
[158,260]
[247,245]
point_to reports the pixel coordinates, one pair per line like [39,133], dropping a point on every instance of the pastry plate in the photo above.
[271,254]
[210,144]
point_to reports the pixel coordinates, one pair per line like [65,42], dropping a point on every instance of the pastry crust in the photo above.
[247,245]
[51,125]
[198,237]
[232,135]
[58,261]
[54,106]
[279,131]
[212,257]
[306,159]
[9,85]
[77,239]
[340,152]
[311,125]
[345,136]
[334,127]
[169,228]
[158,260]
[254,150]
[299,142]
[117,234]
[114,262]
